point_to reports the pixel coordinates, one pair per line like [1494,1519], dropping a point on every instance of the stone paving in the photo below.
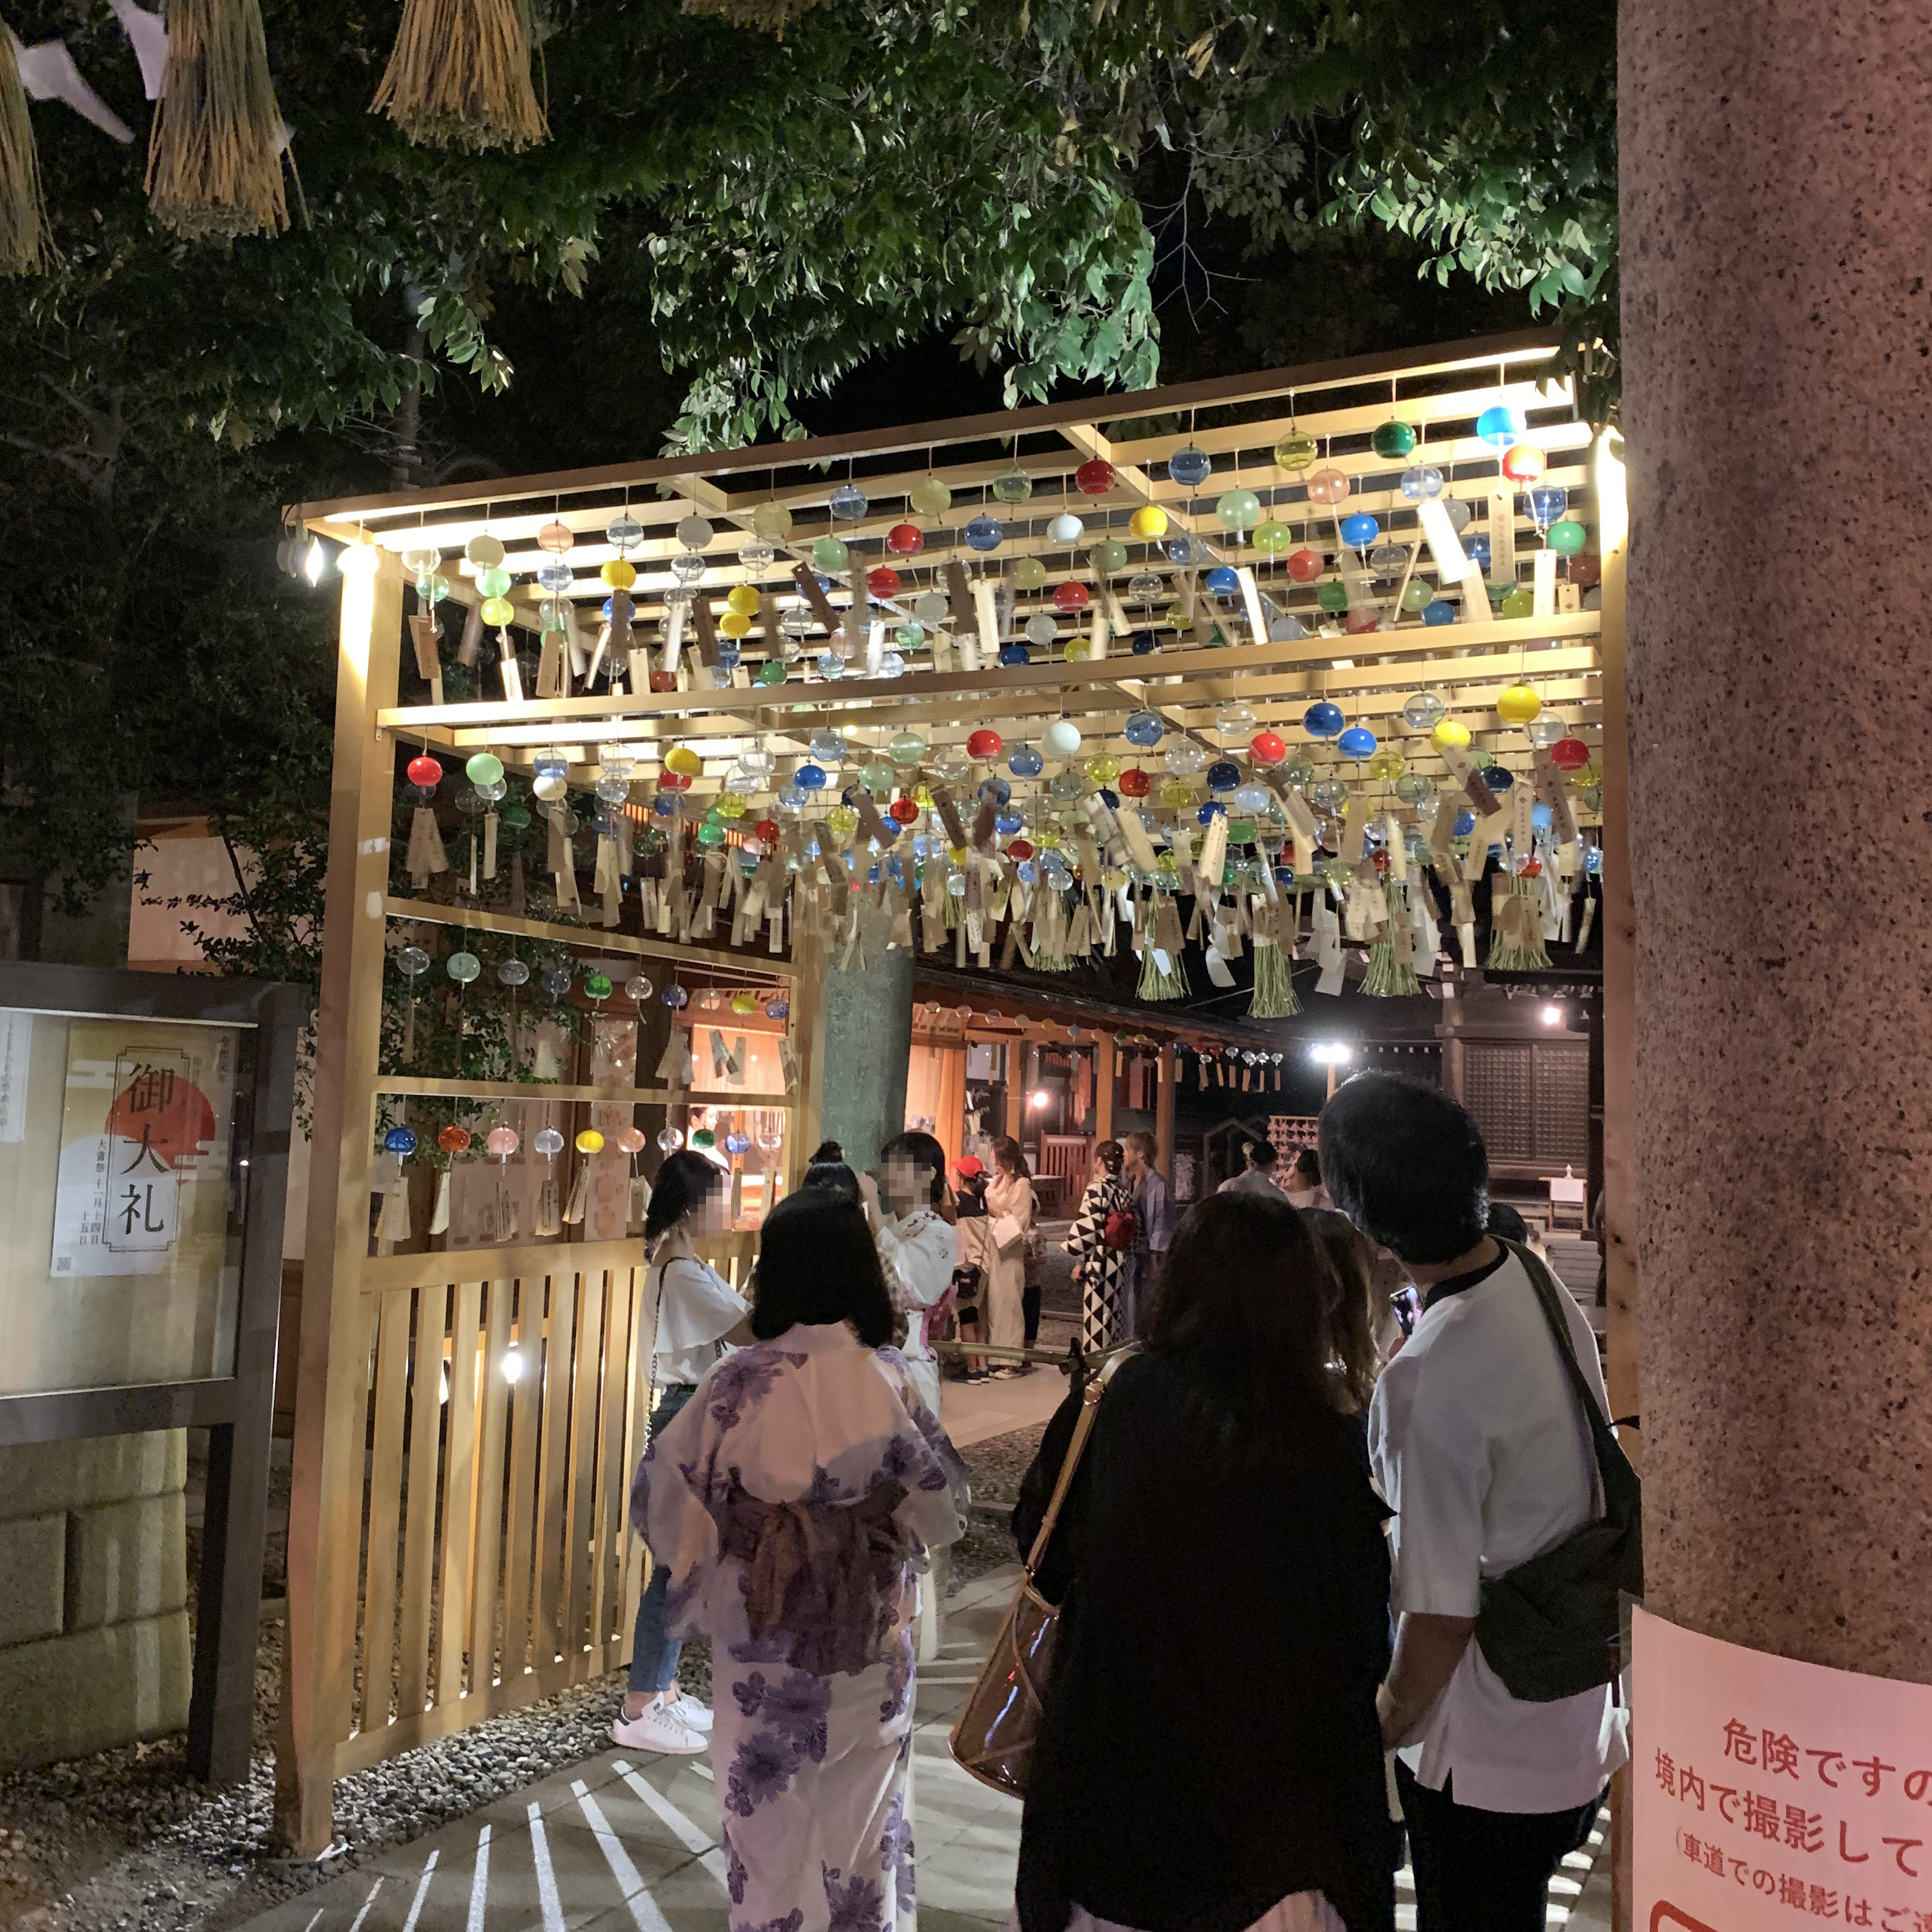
[628,1842]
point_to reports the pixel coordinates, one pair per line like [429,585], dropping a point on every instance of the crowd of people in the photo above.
[1341,1422]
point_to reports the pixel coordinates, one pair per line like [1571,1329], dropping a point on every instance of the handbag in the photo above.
[1006,1230]
[1551,1627]
[998,1725]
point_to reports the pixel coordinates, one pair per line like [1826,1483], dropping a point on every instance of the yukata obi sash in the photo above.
[824,1579]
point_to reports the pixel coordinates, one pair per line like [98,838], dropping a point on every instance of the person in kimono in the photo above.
[1014,1210]
[918,1245]
[794,1502]
[1101,1269]
[919,1249]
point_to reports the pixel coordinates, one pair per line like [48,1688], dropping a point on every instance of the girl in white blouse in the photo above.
[698,1313]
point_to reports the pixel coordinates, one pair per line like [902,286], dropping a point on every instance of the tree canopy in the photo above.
[725,227]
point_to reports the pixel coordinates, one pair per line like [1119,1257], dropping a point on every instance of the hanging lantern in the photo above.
[1393,439]
[214,157]
[1523,462]
[1569,755]
[905,540]
[1095,477]
[1148,522]
[1518,704]
[1070,596]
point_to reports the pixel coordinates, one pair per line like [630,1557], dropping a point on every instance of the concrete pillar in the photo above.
[868,1043]
[1777,380]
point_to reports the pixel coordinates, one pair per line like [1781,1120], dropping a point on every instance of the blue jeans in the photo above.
[653,1655]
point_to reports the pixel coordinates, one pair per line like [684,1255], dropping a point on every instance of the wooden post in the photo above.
[1619,1030]
[1163,1113]
[1016,1051]
[1103,1086]
[325,1501]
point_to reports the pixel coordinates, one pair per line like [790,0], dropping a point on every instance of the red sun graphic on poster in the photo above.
[159,1109]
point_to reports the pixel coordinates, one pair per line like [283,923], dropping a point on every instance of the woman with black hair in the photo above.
[1101,1243]
[917,1244]
[1221,1552]
[695,1310]
[793,1506]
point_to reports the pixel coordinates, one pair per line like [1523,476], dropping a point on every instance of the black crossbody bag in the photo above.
[1551,1627]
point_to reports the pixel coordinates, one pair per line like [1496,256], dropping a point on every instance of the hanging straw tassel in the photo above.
[215,158]
[23,247]
[459,75]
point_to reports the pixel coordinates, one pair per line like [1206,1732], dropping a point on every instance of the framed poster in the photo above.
[121,1200]
[144,1140]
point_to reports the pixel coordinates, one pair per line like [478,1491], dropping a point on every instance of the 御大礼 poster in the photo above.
[147,1115]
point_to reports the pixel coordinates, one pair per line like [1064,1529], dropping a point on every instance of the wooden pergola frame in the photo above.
[533,1473]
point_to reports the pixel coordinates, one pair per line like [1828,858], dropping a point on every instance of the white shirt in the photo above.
[698,1309]
[1252,1181]
[1480,1449]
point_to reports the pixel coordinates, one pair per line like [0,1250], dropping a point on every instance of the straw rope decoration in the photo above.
[459,75]
[214,158]
[24,250]
[1274,998]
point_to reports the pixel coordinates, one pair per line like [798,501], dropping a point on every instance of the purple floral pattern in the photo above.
[855,1904]
[812,1763]
[762,1766]
[896,1854]
[740,1382]
[898,1679]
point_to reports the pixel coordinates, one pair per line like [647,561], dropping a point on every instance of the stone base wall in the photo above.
[94,1648]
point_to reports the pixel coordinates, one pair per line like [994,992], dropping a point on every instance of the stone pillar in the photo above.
[1778,383]
[868,1045]
[94,1636]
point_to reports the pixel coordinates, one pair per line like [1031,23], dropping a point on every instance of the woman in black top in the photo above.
[1209,1749]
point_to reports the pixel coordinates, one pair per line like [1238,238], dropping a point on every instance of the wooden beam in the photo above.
[1430,644]
[1416,364]
[591,938]
[1163,1116]
[1103,1086]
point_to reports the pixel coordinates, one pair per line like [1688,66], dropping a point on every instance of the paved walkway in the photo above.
[625,1842]
[628,1842]
[975,1412]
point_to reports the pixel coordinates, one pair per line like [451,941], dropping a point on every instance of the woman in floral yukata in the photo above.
[793,1502]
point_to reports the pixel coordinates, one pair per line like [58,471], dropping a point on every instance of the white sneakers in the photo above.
[677,1729]
[693,1715]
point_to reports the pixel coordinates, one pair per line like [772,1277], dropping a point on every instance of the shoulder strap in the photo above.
[1090,1404]
[1613,1466]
